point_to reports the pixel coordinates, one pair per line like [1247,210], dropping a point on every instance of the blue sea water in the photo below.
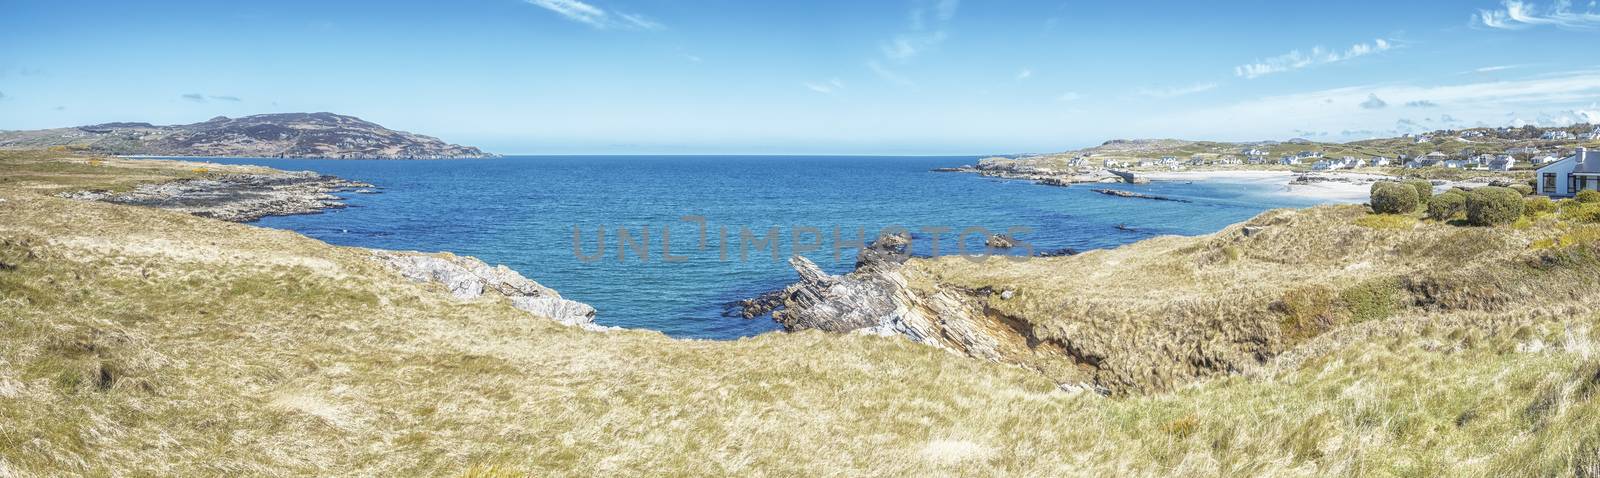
[522,211]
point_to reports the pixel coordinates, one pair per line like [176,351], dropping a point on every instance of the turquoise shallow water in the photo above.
[521,211]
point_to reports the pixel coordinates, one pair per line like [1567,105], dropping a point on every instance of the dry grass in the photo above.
[144,342]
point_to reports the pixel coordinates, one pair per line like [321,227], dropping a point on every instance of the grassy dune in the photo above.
[146,342]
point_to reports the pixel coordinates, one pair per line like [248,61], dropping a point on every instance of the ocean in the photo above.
[522,212]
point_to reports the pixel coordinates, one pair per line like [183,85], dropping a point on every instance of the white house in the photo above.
[1502,163]
[1571,174]
[1556,135]
[1380,161]
[1543,160]
[1454,164]
[1327,165]
[1590,136]
[1289,161]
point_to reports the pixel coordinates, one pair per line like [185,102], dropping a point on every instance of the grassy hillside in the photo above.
[146,342]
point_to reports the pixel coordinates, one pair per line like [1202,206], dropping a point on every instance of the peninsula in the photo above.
[284,135]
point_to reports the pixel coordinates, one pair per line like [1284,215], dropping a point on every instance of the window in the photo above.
[1549,182]
[1572,184]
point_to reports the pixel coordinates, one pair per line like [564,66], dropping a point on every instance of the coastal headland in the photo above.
[1327,340]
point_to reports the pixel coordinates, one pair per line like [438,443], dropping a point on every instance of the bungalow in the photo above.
[1529,150]
[1327,165]
[1570,175]
[1380,161]
[1289,161]
[1254,152]
[1556,135]
[1502,163]
[1590,136]
[1454,164]
[1543,160]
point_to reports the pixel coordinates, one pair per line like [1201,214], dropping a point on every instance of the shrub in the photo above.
[1393,198]
[1424,190]
[1588,196]
[1534,206]
[1522,189]
[1489,206]
[1446,206]
[1579,212]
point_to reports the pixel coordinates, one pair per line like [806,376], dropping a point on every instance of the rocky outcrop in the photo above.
[236,197]
[285,135]
[467,278]
[1001,241]
[1131,194]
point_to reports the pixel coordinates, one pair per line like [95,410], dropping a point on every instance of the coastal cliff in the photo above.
[1165,312]
[283,135]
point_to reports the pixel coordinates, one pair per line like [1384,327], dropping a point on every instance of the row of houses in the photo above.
[1349,162]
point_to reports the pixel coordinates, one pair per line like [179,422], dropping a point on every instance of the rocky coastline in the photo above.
[237,197]
[1047,177]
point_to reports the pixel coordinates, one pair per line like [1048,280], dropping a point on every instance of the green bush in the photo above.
[1588,196]
[1489,206]
[1390,197]
[1579,212]
[1424,190]
[1534,206]
[1447,205]
[1522,189]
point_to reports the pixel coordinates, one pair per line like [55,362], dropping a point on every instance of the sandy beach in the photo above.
[1330,187]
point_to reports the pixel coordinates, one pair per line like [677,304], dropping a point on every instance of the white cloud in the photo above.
[1024,74]
[1490,69]
[1296,59]
[1546,99]
[1517,15]
[921,35]
[887,74]
[828,87]
[1173,92]
[578,11]
[1374,102]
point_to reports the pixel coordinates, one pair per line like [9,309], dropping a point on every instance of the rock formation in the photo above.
[468,278]
[235,197]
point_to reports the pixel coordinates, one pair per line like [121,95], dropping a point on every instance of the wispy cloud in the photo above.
[887,74]
[1421,104]
[1517,15]
[827,88]
[199,98]
[1373,102]
[1491,69]
[1297,59]
[1173,92]
[925,31]
[1024,74]
[597,17]
[1548,100]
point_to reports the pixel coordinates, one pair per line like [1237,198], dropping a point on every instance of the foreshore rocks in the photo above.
[1005,169]
[236,197]
[1001,241]
[1131,194]
[468,278]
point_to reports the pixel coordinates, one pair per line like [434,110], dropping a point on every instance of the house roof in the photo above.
[1588,162]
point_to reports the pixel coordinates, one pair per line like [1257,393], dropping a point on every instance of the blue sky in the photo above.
[824,77]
